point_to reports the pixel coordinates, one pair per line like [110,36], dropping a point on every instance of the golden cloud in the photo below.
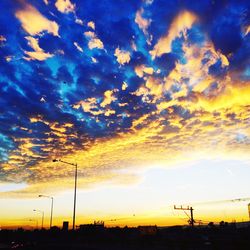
[143,23]
[122,56]
[108,97]
[203,116]
[91,25]
[89,105]
[64,6]
[94,41]
[141,69]
[180,24]
[33,22]
[38,53]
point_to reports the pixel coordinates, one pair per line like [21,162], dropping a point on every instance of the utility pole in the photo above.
[248,206]
[74,214]
[41,212]
[51,210]
[74,210]
[191,221]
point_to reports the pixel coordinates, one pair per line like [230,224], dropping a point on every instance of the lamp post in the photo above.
[75,165]
[51,210]
[42,212]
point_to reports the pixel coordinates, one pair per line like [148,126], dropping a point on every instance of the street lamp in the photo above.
[51,211]
[42,212]
[75,165]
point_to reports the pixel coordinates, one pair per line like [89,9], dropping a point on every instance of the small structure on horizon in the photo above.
[65,226]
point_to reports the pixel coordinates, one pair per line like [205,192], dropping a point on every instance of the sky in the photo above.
[150,98]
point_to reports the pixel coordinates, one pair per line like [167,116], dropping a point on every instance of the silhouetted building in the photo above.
[65,226]
[147,230]
[97,226]
[55,229]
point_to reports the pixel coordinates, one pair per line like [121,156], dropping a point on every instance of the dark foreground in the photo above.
[228,237]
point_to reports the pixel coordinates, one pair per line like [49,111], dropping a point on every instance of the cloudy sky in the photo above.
[150,98]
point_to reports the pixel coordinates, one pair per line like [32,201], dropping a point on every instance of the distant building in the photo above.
[147,230]
[55,229]
[65,226]
[98,225]
[242,224]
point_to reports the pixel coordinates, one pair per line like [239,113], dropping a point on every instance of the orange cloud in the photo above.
[108,97]
[122,56]
[204,124]
[33,22]
[180,24]
[230,97]
[89,105]
[91,25]
[124,86]
[141,69]
[143,23]
[64,6]
[247,30]
[94,41]
[38,53]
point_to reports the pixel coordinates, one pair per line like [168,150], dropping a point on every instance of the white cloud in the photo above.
[148,2]
[9,58]
[78,46]
[79,21]
[133,46]
[94,60]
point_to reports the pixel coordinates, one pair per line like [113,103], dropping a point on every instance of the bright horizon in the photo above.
[143,203]
[149,98]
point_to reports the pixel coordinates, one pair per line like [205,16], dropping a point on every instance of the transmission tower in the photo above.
[191,217]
